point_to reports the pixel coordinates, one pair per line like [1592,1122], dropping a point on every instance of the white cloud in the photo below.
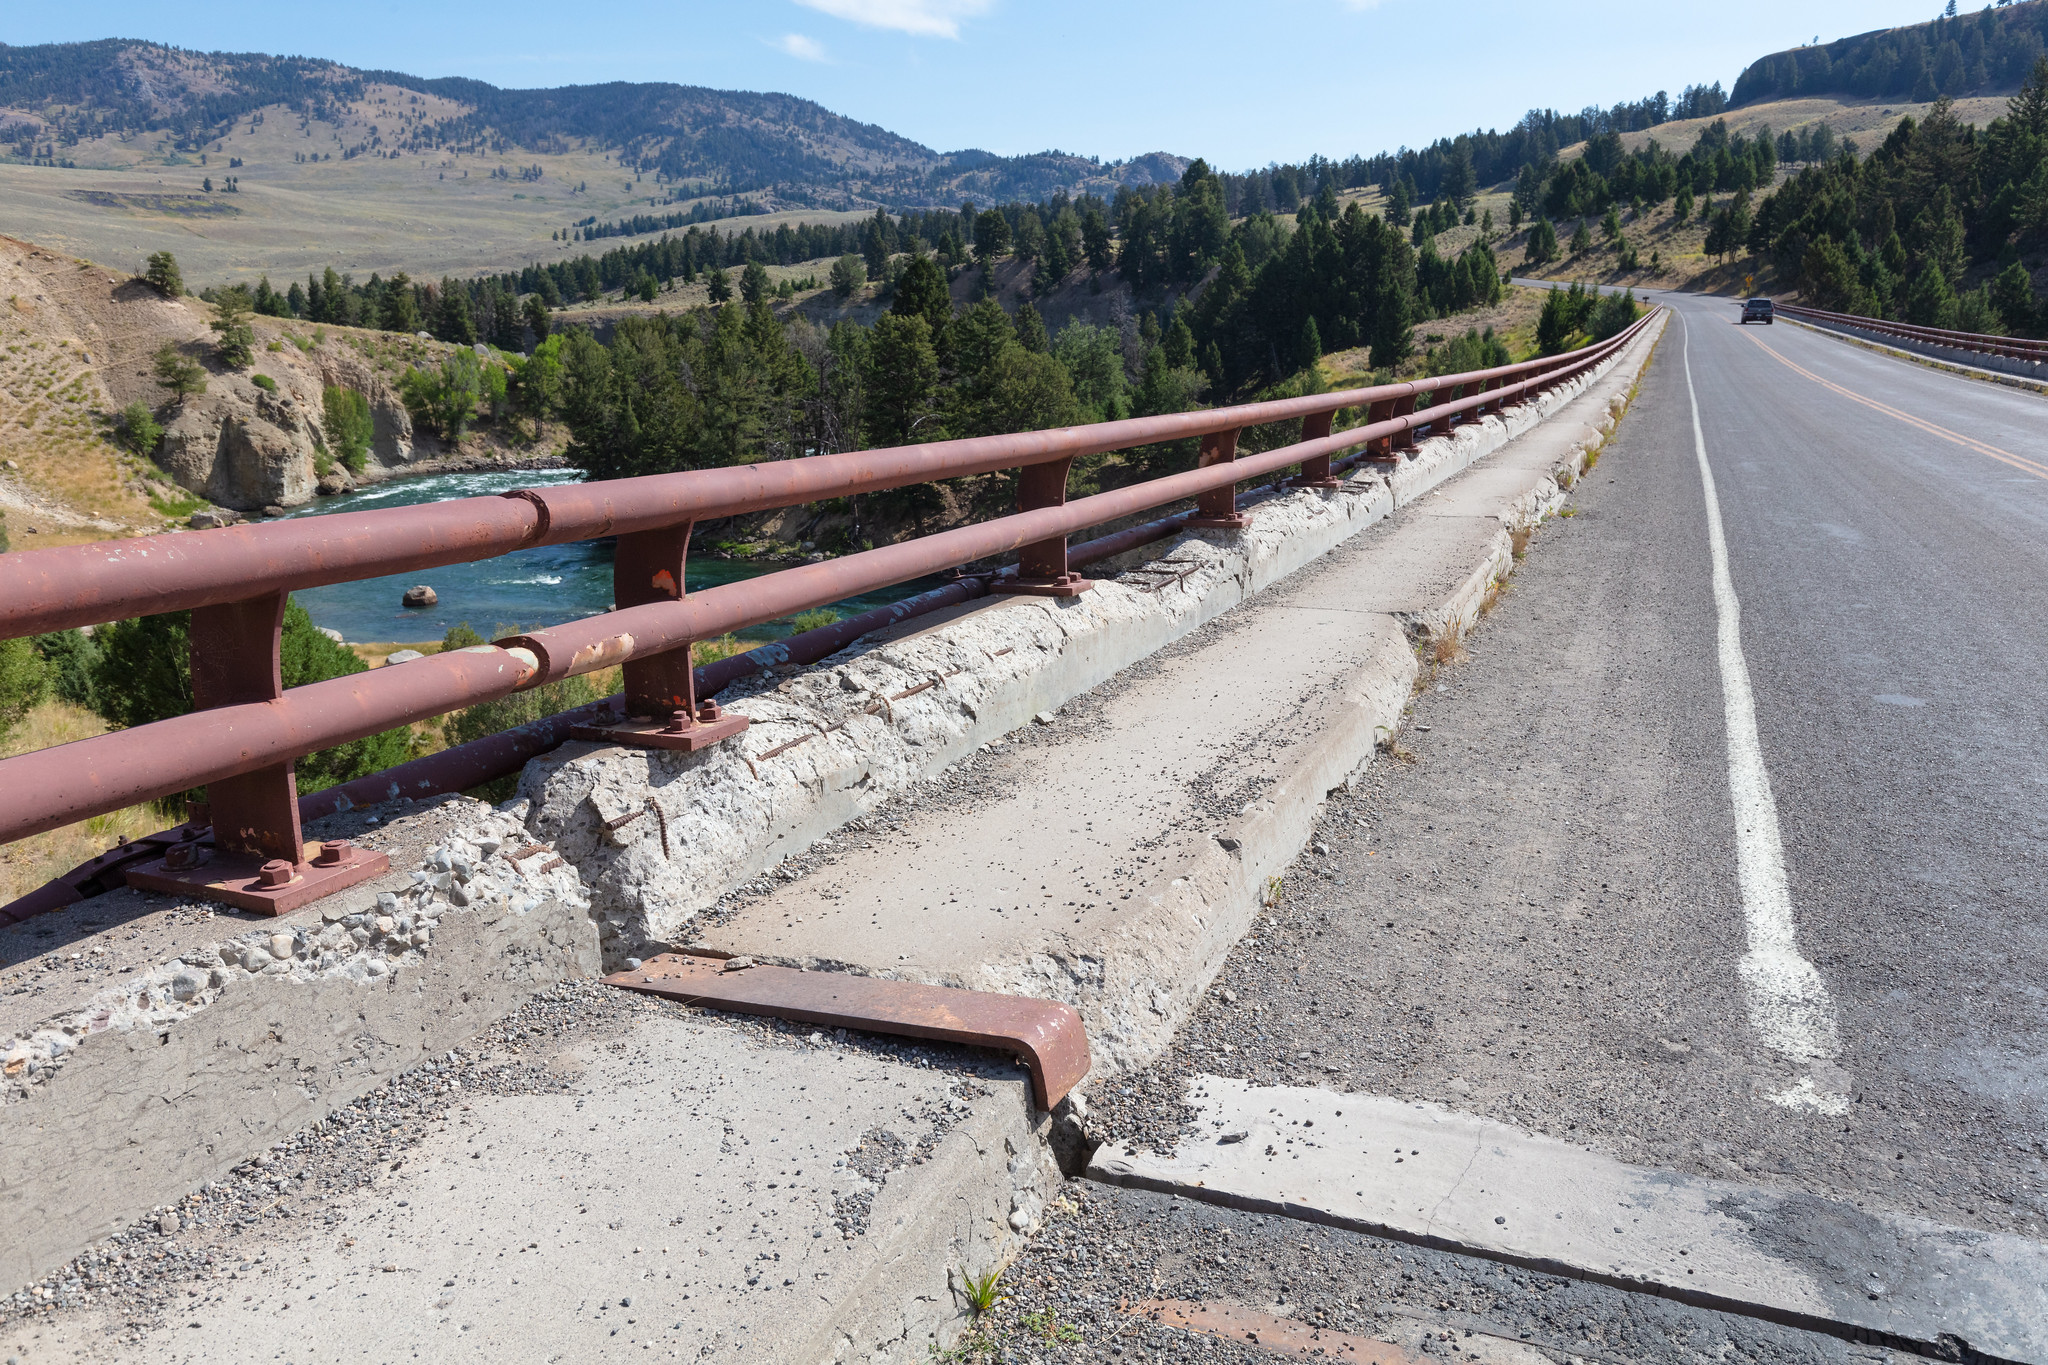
[925,18]
[800,47]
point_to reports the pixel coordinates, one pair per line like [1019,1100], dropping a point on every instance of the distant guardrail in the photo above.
[1977,343]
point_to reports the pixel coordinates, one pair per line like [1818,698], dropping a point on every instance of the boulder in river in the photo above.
[419,596]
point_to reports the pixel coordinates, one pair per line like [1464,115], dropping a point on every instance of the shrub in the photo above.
[72,656]
[1542,243]
[1612,315]
[137,429]
[1475,350]
[264,382]
[815,619]
[1564,312]
[162,275]
[24,681]
[348,424]
[144,674]
[445,399]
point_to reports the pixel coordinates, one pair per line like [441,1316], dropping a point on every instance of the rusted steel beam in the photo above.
[78,585]
[1045,1034]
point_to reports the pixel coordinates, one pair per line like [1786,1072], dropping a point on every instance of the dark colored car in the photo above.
[1756,310]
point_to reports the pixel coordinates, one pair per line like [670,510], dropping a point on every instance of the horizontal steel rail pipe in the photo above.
[2015,348]
[58,786]
[81,585]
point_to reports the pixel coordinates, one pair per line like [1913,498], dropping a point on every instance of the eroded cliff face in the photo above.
[77,344]
[241,446]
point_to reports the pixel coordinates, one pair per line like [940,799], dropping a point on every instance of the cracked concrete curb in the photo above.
[660,837]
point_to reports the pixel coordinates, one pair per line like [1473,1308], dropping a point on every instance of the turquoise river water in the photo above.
[529,589]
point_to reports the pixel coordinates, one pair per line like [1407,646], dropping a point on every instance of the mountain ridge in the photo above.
[697,139]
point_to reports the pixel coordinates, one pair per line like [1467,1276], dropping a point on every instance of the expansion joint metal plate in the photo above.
[1045,1034]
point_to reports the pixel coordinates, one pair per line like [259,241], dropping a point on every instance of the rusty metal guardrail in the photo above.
[2011,348]
[246,730]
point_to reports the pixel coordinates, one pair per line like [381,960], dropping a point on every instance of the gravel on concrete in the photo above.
[202,1248]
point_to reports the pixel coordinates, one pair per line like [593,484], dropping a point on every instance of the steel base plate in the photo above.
[231,880]
[1235,522]
[1315,483]
[1066,585]
[655,734]
[1045,1034]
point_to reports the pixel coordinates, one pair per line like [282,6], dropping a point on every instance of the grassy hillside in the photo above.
[106,150]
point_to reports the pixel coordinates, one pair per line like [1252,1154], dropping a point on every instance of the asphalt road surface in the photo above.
[1721,851]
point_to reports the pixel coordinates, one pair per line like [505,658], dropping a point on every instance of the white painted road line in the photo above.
[1789,1004]
[1459,1182]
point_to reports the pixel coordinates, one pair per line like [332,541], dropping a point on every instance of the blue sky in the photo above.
[1240,84]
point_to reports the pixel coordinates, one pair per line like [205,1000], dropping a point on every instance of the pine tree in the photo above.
[537,319]
[1311,348]
[400,312]
[1095,241]
[849,275]
[902,381]
[718,284]
[452,321]
[921,292]
[754,285]
[1031,333]
[237,344]
[162,275]
[2012,296]
[1179,343]
[1459,184]
[175,371]
[991,237]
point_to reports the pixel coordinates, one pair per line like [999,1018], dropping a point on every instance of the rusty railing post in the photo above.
[1217,509]
[259,859]
[1042,565]
[1315,472]
[662,710]
[1404,406]
[1380,449]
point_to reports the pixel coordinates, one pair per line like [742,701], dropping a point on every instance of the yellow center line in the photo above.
[2021,462]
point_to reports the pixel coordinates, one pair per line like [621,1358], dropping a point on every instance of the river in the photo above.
[528,589]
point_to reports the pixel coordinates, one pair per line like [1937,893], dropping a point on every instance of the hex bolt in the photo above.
[678,722]
[334,853]
[180,857]
[276,872]
[707,711]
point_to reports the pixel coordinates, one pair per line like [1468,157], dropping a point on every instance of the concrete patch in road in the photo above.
[1458,1182]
